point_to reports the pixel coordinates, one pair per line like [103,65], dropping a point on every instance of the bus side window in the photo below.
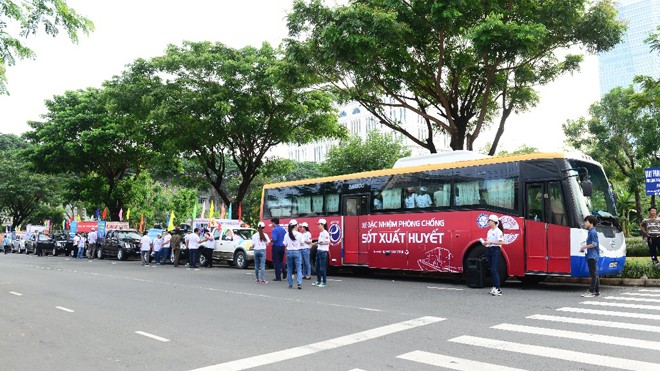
[557,204]
[535,209]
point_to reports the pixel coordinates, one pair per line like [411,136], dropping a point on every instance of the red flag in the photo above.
[240,212]
[105,213]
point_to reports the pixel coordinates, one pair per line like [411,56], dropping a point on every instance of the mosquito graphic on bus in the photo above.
[429,213]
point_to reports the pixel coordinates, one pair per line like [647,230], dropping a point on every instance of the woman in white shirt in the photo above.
[322,252]
[305,251]
[494,242]
[259,242]
[158,245]
[294,241]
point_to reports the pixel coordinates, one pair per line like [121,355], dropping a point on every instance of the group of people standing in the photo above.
[86,242]
[160,246]
[296,243]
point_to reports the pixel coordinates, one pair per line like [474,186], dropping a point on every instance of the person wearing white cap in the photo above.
[92,238]
[322,252]
[259,242]
[294,241]
[494,241]
[305,251]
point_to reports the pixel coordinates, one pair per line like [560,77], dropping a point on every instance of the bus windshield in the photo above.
[601,201]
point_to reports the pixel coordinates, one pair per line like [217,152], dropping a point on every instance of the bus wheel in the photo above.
[480,251]
[531,280]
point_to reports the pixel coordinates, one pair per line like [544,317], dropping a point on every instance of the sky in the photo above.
[130,29]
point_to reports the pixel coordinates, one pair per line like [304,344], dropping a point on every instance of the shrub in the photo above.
[636,246]
[634,269]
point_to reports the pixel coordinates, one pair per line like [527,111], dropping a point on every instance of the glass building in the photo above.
[632,56]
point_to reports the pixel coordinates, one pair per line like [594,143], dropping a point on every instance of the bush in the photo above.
[634,269]
[636,246]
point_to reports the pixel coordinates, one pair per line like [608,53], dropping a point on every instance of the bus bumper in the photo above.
[607,266]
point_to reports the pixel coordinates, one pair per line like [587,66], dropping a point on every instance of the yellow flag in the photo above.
[170,225]
[79,218]
[128,214]
[211,210]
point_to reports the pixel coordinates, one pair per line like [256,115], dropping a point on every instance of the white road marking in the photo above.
[66,309]
[444,288]
[640,294]
[610,313]
[645,300]
[152,336]
[304,350]
[333,280]
[556,353]
[452,363]
[649,290]
[15,293]
[593,322]
[357,369]
[604,339]
[4,283]
[622,305]
[370,309]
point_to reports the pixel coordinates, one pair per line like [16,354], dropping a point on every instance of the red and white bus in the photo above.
[430,217]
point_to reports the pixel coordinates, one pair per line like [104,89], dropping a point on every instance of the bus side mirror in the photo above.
[587,187]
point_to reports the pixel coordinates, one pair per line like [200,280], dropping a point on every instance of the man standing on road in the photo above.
[5,243]
[192,243]
[167,242]
[651,230]
[206,248]
[92,237]
[145,248]
[76,242]
[82,241]
[278,234]
[176,245]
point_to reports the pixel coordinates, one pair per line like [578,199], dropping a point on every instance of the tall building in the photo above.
[632,56]
[360,122]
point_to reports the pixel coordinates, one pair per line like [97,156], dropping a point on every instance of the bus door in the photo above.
[355,210]
[547,235]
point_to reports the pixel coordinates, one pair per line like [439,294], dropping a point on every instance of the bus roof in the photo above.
[438,166]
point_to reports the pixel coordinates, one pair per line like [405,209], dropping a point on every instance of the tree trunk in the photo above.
[638,204]
[458,138]
[500,131]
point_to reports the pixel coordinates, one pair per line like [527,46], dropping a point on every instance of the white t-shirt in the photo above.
[76,241]
[145,243]
[296,243]
[92,237]
[423,200]
[158,244]
[494,235]
[81,242]
[193,241]
[323,237]
[209,240]
[258,243]
[166,240]
[307,236]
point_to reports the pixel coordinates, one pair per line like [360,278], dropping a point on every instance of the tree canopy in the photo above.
[457,64]
[26,17]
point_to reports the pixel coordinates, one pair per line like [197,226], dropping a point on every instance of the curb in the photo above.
[608,281]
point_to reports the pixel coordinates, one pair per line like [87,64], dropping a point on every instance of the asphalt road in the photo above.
[65,314]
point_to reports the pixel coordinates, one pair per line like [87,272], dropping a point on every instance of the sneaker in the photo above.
[492,290]
[290,286]
[497,292]
[322,285]
[299,287]
[588,294]
[596,293]
[316,284]
[657,263]
[258,281]
[264,282]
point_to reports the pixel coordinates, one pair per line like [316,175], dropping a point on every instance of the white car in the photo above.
[18,244]
[233,245]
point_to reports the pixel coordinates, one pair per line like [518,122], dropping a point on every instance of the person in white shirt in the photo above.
[294,241]
[158,246]
[192,243]
[206,247]
[494,241]
[423,200]
[92,238]
[410,199]
[322,253]
[81,246]
[145,248]
[305,251]
[76,242]
[165,253]
[259,242]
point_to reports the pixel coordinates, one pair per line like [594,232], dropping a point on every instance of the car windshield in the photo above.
[601,201]
[43,237]
[245,234]
[129,236]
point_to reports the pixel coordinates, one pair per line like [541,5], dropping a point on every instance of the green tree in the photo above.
[223,105]
[454,63]
[25,17]
[523,149]
[378,151]
[618,134]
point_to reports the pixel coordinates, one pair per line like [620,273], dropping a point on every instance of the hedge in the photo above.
[636,246]
[634,269]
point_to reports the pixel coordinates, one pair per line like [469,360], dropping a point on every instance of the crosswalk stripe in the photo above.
[594,322]
[452,363]
[640,294]
[610,313]
[649,290]
[556,353]
[595,338]
[645,300]
[622,305]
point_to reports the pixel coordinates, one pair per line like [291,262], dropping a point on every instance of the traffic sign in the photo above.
[652,181]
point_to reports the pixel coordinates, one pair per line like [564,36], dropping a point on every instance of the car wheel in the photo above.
[72,253]
[240,259]
[54,251]
[121,255]
[99,253]
[202,260]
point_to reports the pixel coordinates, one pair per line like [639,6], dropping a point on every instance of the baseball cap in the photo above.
[322,221]
[304,224]
[261,225]
[494,218]
[293,222]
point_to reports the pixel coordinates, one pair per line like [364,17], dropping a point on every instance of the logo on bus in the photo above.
[482,220]
[335,233]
